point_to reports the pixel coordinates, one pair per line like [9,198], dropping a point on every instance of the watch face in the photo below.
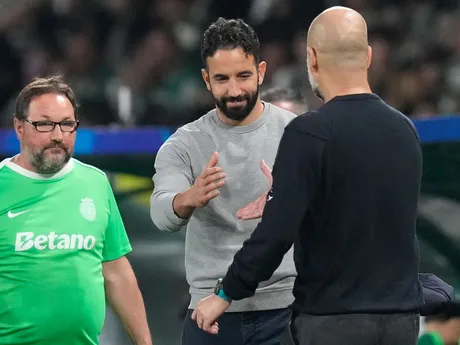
[218,287]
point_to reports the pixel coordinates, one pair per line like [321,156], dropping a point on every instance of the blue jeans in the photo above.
[246,328]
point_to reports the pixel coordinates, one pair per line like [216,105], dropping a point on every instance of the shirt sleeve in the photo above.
[173,175]
[296,175]
[116,242]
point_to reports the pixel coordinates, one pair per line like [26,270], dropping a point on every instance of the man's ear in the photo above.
[312,60]
[369,56]
[19,128]
[205,75]
[262,69]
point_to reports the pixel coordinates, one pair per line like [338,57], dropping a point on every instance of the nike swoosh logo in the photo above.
[14,215]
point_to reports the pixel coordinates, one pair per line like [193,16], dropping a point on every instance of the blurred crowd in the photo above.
[137,62]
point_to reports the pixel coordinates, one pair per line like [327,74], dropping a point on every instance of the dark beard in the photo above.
[238,113]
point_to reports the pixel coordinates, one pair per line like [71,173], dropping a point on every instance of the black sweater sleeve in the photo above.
[296,174]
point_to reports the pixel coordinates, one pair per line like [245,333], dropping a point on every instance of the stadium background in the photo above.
[135,67]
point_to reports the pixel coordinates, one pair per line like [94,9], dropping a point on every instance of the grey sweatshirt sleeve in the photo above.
[173,175]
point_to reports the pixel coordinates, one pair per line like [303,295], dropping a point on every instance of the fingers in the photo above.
[210,178]
[212,329]
[264,165]
[209,196]
[198,318]
[252,211]
[245,210]
[249,215]
[213,161]
[266,170]
[210,171]
[213,186]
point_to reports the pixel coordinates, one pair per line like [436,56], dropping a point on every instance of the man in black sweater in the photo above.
[346,183]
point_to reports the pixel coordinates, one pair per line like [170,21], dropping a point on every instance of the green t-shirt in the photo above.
[55,233]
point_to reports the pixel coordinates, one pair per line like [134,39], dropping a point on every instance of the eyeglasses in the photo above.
[48,126]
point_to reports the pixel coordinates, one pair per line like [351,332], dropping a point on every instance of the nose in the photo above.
[56,134]
[234,90]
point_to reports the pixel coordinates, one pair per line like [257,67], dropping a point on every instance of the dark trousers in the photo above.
[247,328]
[352,329]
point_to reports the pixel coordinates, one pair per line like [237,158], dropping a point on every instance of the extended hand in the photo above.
[256,208]
[205,188]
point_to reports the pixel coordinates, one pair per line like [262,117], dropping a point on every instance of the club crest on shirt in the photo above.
[88,209]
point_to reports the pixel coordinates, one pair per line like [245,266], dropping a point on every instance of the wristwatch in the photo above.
[219,291]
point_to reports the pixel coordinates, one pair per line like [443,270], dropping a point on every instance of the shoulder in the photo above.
[404,118]
[89,171]
[312,123]
[180,141]
[3,164]
[192,129]
[5,174]
[279,114]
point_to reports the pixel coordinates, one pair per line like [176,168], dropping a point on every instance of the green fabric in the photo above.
[432,338]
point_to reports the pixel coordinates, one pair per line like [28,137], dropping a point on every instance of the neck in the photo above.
[252,117]
[350,84]
[23,162]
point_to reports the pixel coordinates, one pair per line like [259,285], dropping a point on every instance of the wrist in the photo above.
[181,206]
[220,292]
[222,295]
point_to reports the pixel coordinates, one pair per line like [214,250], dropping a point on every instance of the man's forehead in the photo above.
[50,105]
[230,60]
[51,99]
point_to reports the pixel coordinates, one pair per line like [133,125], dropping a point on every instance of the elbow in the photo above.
[162,213]
[161,222]
[165,226]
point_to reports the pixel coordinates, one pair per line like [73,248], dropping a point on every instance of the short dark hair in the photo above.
[43,86]
[283,94]
[229,34]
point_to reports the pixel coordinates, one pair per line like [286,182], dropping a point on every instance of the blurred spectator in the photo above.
[136,62]
[286,98]
[442,329]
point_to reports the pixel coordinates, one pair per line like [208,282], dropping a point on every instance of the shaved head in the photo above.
[337,41]
[340,35]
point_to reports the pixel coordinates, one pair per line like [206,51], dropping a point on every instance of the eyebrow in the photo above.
[46,117]
[218,76]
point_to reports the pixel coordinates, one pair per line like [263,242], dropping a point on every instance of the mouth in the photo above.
[236,104]
[55,150]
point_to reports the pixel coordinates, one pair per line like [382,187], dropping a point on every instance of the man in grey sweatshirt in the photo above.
[211,168]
